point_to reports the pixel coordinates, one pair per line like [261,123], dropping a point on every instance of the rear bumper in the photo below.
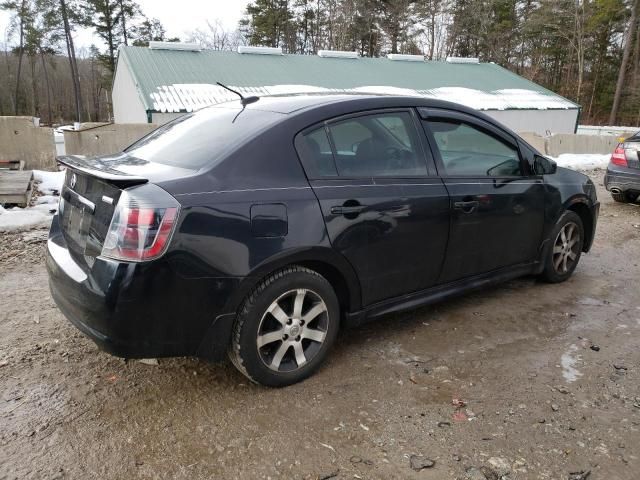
[626,179]
[140,310]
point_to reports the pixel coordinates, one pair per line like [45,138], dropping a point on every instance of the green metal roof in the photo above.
[156,71]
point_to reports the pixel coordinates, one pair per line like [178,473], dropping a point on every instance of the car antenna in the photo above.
[243,100]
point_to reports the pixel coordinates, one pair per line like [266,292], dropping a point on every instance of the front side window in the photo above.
[378,145]
[469,151]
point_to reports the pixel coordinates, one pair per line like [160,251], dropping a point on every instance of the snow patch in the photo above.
[579,161]
[569,360]
[40,215]
[15,219]
[48,182]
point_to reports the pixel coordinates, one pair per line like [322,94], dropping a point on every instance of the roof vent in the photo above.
[462,60]
[405,58]
[337,54]
[260,50]
[189,47]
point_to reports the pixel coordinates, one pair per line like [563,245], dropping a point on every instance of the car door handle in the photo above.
[347,209]
[466,207]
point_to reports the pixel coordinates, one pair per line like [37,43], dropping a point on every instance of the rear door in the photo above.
[384,208]
[497,205]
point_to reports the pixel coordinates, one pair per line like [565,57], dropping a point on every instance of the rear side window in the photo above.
[316,154]
[203,138]
[470,151]
[376,145]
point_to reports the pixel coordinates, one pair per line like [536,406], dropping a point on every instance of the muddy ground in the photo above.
[549,374]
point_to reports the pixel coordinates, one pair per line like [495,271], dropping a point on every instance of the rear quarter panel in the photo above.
[215,236]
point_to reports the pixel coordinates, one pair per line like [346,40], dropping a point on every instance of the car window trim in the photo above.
[432,114]
[422,153]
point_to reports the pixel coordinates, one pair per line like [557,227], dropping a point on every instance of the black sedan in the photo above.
[260,227]
[623,173]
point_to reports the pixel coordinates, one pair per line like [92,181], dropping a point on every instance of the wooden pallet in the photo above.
[12,164]
[16,187]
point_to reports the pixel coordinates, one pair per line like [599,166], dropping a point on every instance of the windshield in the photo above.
[201,139]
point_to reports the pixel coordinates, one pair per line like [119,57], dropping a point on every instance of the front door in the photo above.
[382,210]
[497,207]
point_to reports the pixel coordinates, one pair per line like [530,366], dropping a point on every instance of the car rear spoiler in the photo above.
[102,170]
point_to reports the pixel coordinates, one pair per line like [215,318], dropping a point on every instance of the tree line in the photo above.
[585,50]
[52,78]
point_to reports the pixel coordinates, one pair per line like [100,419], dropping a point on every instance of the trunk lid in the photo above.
[90,193]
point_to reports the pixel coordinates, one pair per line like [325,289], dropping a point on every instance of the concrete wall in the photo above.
[607,131]
[162,118]
[127,105]
[558,144]
[109,138]
[21,140]
[569,143]
[536,141]
[541,122]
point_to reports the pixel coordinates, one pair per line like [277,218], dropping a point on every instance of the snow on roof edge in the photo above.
[189,97]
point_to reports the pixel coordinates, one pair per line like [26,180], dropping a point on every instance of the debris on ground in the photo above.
[458,403]
[460,416]
[329,476]
[473,473]
[581,475]
[420,462]
[148,361]
[500,465]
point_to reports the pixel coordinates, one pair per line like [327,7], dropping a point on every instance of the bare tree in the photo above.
[73,64]
[628,40]
[214,37]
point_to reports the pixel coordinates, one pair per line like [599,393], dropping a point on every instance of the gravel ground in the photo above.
[525,380]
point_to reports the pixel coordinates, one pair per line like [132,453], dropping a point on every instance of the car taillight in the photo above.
[619,157]
[142,224]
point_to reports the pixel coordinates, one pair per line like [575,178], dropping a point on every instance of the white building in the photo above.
[159,83]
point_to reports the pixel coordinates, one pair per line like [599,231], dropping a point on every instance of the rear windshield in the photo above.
[201,139]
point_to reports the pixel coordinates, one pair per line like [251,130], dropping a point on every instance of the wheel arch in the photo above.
[580,206]
[325,261]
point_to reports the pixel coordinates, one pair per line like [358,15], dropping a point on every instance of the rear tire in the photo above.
[567,239]
[285,327]
[620,197]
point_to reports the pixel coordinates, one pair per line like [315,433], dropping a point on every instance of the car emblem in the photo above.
[72,182]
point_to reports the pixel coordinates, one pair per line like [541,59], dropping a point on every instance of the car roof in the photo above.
[295,103]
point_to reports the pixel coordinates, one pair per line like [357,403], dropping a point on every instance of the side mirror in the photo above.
[544,166]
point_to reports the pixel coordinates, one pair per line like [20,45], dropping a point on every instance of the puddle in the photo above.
[568,360]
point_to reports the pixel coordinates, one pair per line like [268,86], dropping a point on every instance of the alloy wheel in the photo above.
[565,248]
[292,330]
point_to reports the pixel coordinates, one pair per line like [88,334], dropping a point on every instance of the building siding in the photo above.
[127,104]
[541,122]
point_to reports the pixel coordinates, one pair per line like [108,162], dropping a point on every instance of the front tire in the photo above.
[564,254]
[285,327]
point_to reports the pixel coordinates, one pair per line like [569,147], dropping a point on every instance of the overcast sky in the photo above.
[177,16]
